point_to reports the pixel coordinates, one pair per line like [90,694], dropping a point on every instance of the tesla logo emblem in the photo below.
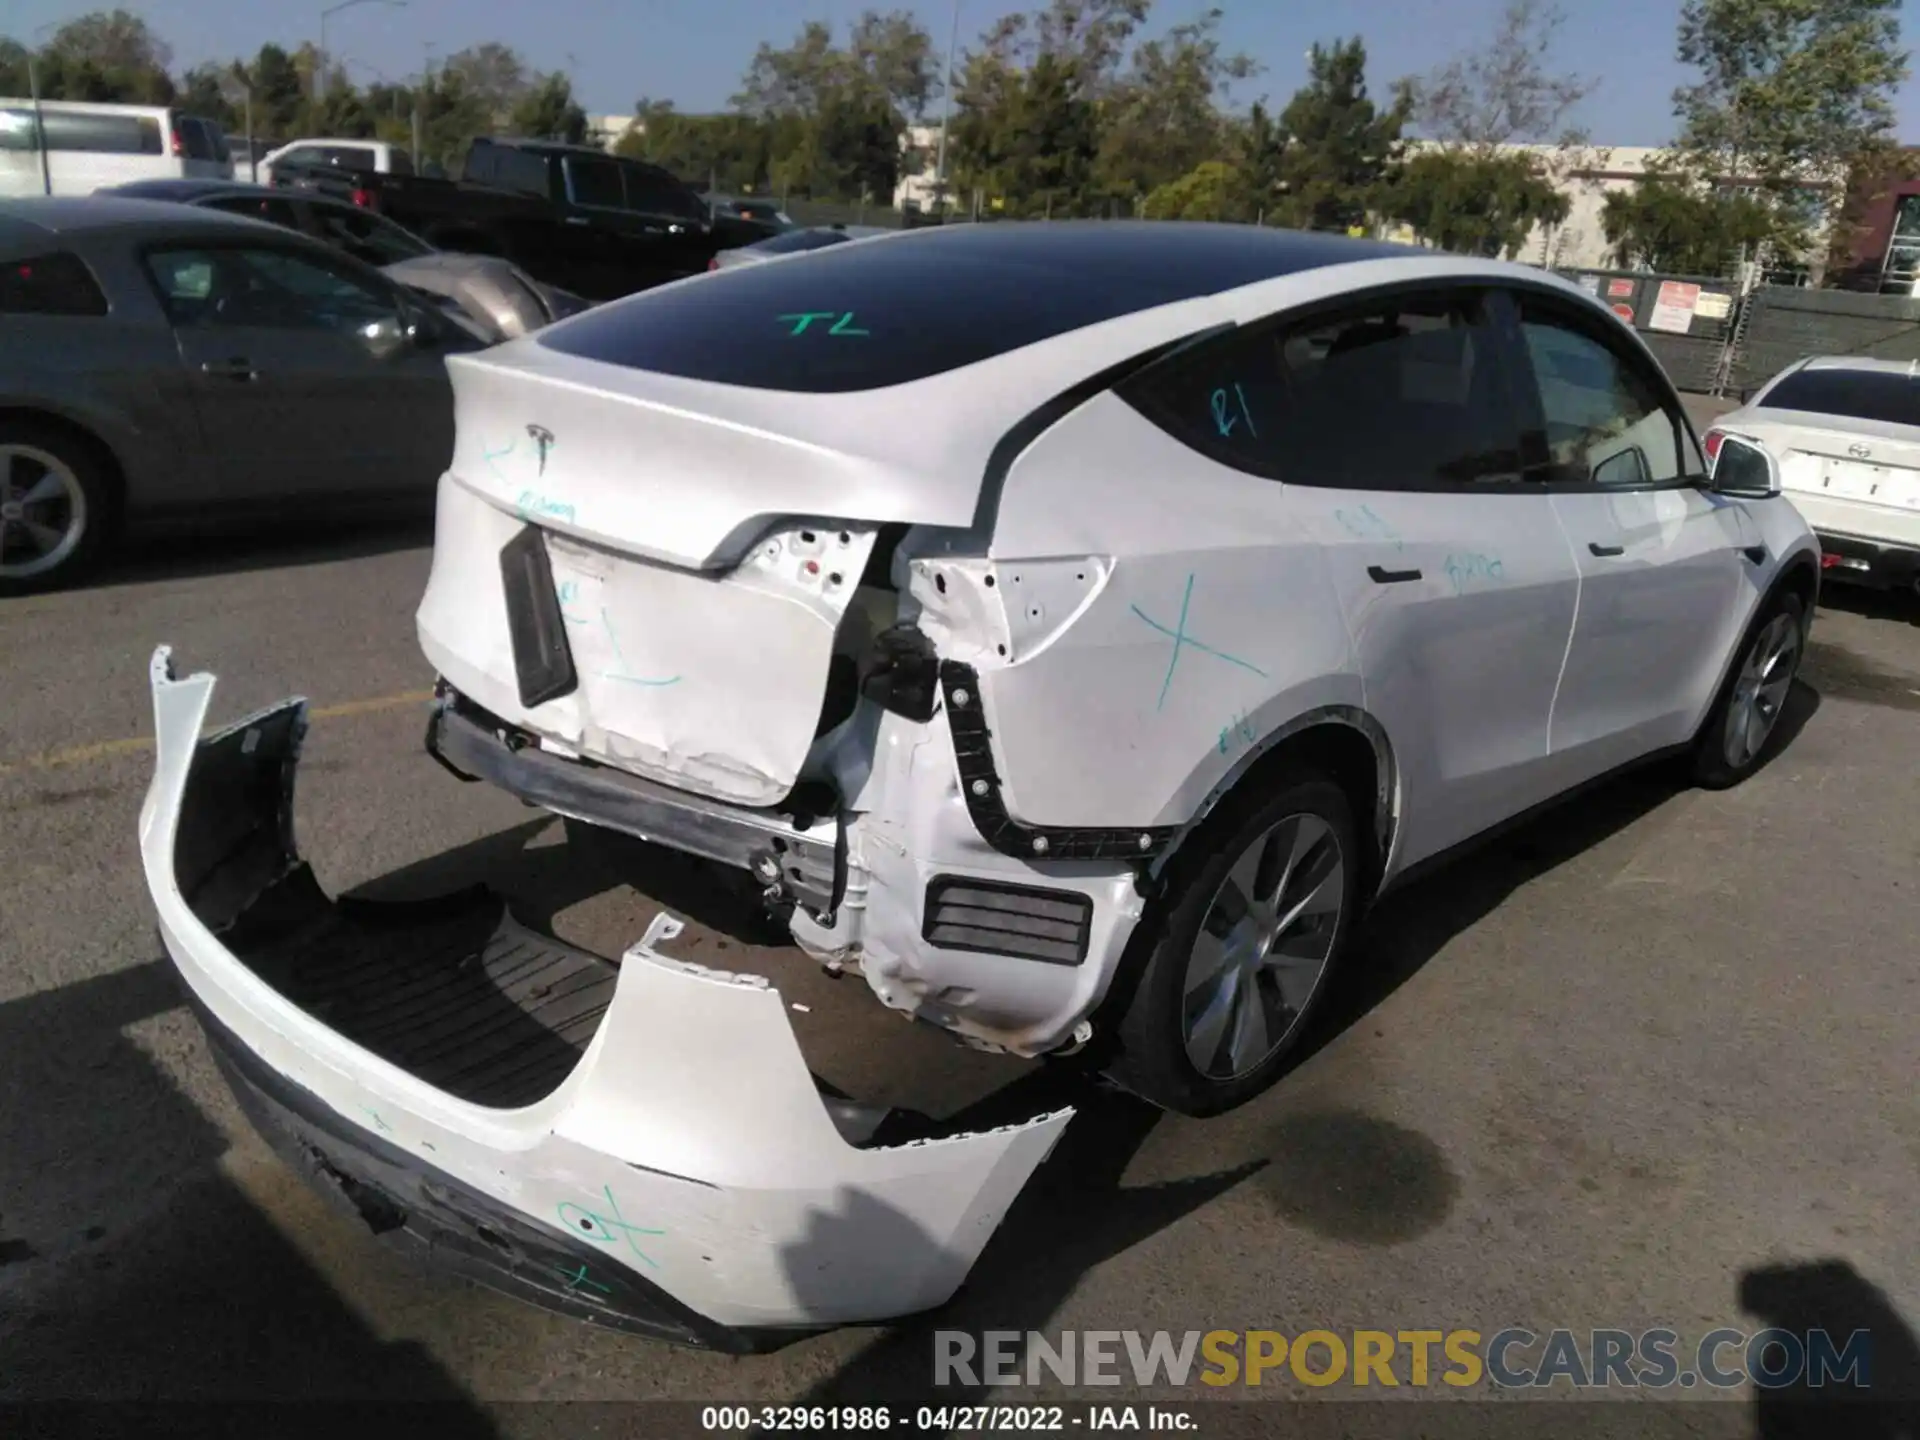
[1860,452]
[543,441]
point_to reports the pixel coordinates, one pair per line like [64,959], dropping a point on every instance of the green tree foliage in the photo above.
[1028,135]
[1338,146]
[106,56]
[1473,202]
[1789,91]
[1672,223]
[279,95]
[1502,92]
[836,114]
[1212,190]
[548,111]
[1165,115]
[730,152]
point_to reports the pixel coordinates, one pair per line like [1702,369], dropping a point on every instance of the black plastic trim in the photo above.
[939,886]
[980,785]
[542,659]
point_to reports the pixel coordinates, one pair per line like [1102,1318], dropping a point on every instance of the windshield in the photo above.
[1890,396]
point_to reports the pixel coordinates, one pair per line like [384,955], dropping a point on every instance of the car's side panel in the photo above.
[1204,621]
[118,377]
[1460,604]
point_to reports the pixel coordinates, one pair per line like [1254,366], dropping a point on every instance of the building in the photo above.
[1882,246]
[607,131]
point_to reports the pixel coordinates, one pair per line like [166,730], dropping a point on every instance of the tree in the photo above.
[896,53]
[1338,146]
[1473,202]
[1028,135]
[1212,190]
[492,77]
[548,111]
[1790,92]
[279,94]
[731,152]
[1502,93]
[1673,223]
[204,91]
[1163,117]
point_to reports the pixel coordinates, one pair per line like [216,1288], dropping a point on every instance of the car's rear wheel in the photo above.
[1733,742]
[55,495]
[1241,949]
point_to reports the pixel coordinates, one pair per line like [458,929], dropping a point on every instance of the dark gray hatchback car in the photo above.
[166,366]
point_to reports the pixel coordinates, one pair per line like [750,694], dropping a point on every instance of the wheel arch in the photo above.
[82,433]
[1346,742]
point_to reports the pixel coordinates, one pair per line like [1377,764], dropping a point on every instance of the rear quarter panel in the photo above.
[1206,622]
[118,376]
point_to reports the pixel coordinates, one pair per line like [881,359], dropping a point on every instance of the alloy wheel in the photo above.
[1263,947]
[1760,689]
[43,511]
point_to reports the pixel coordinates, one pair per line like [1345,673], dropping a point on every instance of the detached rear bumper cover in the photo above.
[684,1179]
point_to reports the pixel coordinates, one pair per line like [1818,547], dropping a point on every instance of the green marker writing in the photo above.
[804,318]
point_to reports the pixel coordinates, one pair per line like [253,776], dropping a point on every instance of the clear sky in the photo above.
[693,51]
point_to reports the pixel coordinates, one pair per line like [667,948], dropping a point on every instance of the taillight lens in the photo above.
[1710,442]
[179,148]
[363,198]
[714,263]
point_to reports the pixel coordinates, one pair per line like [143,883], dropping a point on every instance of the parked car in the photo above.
[169,366]
[743,220]
[569,215]
[371,156]
[1846,433]
[248,158]
[491,292]
[1071,627]
[794,242]
[89,145]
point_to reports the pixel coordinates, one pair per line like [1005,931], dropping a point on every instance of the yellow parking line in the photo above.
[133,744]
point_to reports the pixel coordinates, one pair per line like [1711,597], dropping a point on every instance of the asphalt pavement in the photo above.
[1649,1061]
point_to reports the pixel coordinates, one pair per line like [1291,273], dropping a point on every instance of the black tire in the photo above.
[1150,1056]
[1715,765]
[94,475]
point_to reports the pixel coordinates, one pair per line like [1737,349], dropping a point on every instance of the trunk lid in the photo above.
[1871,461]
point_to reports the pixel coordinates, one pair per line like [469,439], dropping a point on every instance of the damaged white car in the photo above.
[1072,627]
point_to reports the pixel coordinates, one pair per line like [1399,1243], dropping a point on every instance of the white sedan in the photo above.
[1071,627]
[1846,433]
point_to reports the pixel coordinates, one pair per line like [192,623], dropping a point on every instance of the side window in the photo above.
[1606,423]
[348,157]
[595,183]
[197,138]
[52,284]
[264,289]
[661,195]
[303,155]
[1403,394]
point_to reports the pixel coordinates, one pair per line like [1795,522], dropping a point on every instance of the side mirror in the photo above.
[392,335]
[1742,467]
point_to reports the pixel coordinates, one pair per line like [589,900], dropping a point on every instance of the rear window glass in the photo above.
[859,317]
[653,193]
[1890,396]
[199,139]
[107,134]
[54,284]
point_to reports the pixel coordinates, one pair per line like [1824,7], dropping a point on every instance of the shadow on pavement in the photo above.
[131,1267]
[264,546]
[1900,606]
[1831,1296]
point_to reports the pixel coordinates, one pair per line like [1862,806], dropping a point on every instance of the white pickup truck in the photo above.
[374,155]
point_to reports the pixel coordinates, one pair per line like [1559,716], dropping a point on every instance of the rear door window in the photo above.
[270,208]
[595,183]
[364,236]
[1892,397]
[57,283]
[1401,394]
[652,193]
[255,287]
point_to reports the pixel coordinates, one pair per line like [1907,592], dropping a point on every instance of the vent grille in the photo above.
[1051,926]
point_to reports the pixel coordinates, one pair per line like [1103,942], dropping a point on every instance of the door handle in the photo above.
[1391,577]
[1756,553]
[238,368]
[1599,549]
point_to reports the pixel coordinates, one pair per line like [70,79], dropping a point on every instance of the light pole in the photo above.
[320,60]
[33,88]
[946,116]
